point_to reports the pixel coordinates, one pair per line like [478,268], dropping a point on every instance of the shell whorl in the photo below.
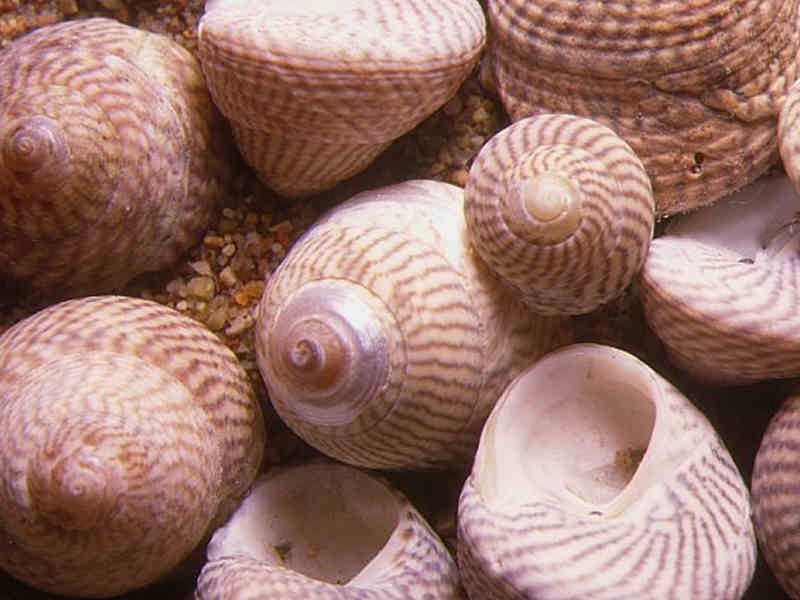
[34,144]
[561,209]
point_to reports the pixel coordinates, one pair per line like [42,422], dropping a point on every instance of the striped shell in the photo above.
[316,89]
[561,209]
[775,495]
[693,86]
[383,342]
[789,134]
[327,531]
[720,288]
[595,478]
[129,432]
[111,156]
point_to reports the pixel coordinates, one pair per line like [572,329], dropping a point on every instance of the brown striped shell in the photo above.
[775,479]
[789,134]
[316,89]
[693,86]
[383,342]
[562,210]
[129,432]
[720,287]
[111,156]
[327,531]
[596,478]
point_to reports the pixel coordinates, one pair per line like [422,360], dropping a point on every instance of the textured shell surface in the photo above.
[562,209]
[129,433]
[596,478]
[789,134]
[111,156]
[325,530]
[383,341]
[316,89]
[695,87]
[720,287]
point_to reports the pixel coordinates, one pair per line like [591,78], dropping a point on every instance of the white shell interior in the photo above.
[573,430]
[327,521]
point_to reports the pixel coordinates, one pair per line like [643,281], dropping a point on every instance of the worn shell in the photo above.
[720,288]
[316,89]
[383,342]
[595,478]
[693,86]
[111,156]
[560,208]
[128,432]
[327,531]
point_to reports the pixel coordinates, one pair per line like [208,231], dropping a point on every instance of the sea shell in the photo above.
[560,208]
[789,134]
[595,478]
[775,499]
[111,156]
[720,287]
[316,89]
[383,341]
[694,87]
[129,432]
[323,530]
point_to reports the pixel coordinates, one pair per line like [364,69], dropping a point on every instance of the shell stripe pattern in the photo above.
[723,320]
[789,134]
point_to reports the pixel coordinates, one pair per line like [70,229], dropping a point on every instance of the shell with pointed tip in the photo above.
[111,156]
[325,531]
[720,287]
[383,341]
[694,87]
[129,432]
[561,208]
[595,478]
[316,89]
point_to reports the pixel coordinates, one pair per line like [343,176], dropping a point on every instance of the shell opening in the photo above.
[31,143]
[327,521]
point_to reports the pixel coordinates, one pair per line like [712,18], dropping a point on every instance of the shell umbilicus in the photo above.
[129,432]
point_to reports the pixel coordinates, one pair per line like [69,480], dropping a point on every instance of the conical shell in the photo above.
[383,342]
[111,156]
[595,478]
[694,87]
[560,208]
[129,432]
[327,531]
[316,89]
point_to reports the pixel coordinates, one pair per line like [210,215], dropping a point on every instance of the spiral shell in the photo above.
[128,433]
[561,209]
[323,530]
[595,478]
[111,156]
[383,342]
[720,288]
[694,87]
[316,89]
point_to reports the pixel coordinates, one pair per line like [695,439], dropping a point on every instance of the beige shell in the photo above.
[775,494]
[720,288]
[324,530]
[595,478]
[129,432]
[789,134]
[561,209]
[316,89]
[383,342]
[693,86]
[111,156]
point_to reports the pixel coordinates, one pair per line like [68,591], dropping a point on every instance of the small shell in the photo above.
[111,156]
[128,433]
[776,472]
[693,87]
[383,342]
[720,288]
[327,531]
[316,89]
[561,209]
[595,478]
